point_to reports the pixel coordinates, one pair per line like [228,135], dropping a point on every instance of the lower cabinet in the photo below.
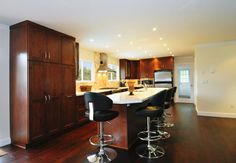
[80,108]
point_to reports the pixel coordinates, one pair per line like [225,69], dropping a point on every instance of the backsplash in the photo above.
[100,79]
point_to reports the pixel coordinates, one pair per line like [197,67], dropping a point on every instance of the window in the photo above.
[113,76]
[85,70]
[184,76]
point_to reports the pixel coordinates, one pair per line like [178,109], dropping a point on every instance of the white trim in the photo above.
[5,141]
[215,114]
[3,26]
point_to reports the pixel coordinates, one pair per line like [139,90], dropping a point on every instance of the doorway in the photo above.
[184,83]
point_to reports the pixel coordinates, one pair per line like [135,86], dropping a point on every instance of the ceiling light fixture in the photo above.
[131,43]
[119,35]
[161,38]
[91,40]
[154,29]
[164,44]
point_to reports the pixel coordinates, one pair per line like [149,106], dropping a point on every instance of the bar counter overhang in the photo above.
[126,126]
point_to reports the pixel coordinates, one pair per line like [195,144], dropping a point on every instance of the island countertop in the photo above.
[139,96]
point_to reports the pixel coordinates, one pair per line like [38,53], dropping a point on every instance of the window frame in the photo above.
[117,72]
[81,66]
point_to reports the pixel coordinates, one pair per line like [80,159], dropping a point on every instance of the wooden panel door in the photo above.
[37,43]
[53,109]
[37,97]
[146,68]
[68,51]
[53,47]
[80,106]
[69,113]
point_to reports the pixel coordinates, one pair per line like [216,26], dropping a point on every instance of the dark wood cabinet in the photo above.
[68,99]
[124,69]
[68,51]
[146,68]
[45,44]
[41,85]
[129,69]
[80,106]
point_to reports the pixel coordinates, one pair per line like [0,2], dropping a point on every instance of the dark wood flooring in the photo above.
[193,139]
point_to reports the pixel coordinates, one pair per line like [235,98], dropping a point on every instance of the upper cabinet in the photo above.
[68,51]
[45,45]
[144,68]
[129,69]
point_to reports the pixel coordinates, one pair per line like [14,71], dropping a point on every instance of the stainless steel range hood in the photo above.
[103,64]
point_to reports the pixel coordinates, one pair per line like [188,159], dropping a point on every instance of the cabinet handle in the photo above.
[49,98]
[45,99]
[69,96]
[45,55]
[49,55]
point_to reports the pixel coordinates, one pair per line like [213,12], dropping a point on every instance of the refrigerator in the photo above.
[163,78]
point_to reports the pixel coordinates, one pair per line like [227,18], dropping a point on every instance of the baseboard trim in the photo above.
[214,114]
[5,141]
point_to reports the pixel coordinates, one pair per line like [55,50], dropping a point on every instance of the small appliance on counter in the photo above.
[163,78]
[148,82]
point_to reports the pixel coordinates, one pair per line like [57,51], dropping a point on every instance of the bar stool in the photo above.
[167,105]
[149,150]
[99,110]
[173,94]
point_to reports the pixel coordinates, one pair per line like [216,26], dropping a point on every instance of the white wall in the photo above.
[216,79]
[4,86]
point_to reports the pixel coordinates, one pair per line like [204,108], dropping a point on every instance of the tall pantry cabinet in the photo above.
[42,88]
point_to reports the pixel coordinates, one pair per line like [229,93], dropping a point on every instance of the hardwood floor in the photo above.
[193,139]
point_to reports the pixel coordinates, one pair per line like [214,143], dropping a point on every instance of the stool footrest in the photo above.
[107,140]
[154,136]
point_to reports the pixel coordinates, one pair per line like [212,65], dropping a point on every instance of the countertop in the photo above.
[100,90]
[139,96]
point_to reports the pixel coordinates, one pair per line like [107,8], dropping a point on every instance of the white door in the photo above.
[184,83]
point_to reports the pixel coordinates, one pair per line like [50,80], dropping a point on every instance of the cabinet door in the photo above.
[146,68]
[53,47]
[80,106]
[68,51]
[37,43]
[68,116]
[134,70]
[53,85]
[37,99]
[124,69]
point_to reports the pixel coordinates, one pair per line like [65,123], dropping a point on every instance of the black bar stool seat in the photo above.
[105,115]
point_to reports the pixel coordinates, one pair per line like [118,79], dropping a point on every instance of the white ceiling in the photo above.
[181,23]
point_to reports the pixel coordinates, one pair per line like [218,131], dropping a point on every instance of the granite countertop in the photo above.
[139,96]
[101,90]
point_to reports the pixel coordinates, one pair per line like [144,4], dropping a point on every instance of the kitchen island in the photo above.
[126,126]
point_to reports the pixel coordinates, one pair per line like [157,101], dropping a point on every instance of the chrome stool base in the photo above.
[163,134]
[168,124]
[105,156]
[151,152]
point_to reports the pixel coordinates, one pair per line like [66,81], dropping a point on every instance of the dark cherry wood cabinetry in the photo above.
[124,69]
[129,69]
[42,88]
[68,97]
[80,106]
[68,51]
[45,44]
[146,68]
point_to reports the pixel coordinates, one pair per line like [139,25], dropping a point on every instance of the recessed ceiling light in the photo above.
[131,43]
[170,52]
[154,29]
[107,46]
[161,38]
[145,51]
[173,55]
[164,44]
[168,49]
[119,35]
[91,40]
